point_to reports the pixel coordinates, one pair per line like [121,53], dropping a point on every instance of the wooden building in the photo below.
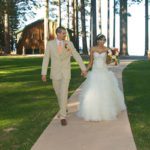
[30,40]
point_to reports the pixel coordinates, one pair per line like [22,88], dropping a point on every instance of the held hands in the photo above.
[44,78]
[84,73]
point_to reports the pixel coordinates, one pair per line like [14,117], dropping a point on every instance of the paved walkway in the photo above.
[83,135]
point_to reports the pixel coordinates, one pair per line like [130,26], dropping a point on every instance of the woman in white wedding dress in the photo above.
[100,97]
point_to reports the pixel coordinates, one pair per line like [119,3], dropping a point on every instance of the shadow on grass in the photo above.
[27,105]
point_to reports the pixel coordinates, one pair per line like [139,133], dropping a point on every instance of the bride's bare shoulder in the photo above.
[93,49]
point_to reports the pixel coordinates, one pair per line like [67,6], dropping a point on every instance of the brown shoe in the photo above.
[63,122]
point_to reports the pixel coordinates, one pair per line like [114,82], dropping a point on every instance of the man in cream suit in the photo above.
[60,51]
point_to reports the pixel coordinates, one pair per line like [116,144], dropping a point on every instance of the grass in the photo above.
[27,105]
[136,82]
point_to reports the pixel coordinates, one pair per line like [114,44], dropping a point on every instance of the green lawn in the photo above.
[27,105]
[136,82]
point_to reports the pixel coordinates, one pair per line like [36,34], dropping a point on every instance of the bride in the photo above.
[100,97]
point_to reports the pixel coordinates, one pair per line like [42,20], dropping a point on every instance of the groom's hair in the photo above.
[59,29]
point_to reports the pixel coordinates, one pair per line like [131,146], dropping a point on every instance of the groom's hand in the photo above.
[44,78]
[84,73]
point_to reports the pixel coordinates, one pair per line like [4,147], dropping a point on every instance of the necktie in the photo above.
[59,47]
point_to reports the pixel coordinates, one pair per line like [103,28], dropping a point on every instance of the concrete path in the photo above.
[83,135]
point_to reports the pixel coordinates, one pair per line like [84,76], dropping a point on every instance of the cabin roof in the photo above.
[31,24]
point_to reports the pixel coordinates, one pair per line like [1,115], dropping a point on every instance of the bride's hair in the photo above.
[100,37]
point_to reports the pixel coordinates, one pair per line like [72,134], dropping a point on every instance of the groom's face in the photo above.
[62,35]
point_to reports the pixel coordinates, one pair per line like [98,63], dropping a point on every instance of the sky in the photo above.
[136,26]
[136,29]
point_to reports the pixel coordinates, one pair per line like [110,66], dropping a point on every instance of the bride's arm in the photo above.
[109,50]
[91,59]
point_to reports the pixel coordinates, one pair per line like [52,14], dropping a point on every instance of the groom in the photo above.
[60,52]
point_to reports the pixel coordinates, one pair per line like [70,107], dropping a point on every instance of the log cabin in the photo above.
[30,40]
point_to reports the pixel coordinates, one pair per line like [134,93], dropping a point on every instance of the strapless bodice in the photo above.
[99,60]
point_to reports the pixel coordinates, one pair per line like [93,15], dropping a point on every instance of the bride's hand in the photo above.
[84,73]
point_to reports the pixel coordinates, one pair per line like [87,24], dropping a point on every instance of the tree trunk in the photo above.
[108,23]
[6,33]
[100,16]
[84,41]
[123,28]
[146,28]
[59,16]
[46,30]
[6,29]
[73,18]
[93,22]
[68,13]
[114,24]
[77,29]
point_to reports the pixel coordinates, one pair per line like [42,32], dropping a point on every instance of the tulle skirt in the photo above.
[100,97]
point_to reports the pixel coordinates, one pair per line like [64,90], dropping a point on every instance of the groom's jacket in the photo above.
[60,63]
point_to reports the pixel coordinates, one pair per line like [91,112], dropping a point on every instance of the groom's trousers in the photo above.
[61,90]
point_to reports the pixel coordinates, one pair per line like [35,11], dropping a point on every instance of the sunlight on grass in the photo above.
[5,72]
[130,98]
[75,63]
[4,123]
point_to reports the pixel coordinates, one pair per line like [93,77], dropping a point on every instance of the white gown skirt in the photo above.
[100,97]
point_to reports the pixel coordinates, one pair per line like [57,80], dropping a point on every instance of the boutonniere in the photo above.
[67,47]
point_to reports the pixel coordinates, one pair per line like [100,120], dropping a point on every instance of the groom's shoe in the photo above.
[63,122]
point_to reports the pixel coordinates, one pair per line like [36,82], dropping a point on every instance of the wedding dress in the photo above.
[100,97]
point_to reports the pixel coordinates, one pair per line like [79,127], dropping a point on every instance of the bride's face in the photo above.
[101,41]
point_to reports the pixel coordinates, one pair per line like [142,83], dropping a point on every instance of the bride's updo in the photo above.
[100,37]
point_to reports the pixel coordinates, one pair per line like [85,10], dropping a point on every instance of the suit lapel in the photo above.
[64,51]
[55,48]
